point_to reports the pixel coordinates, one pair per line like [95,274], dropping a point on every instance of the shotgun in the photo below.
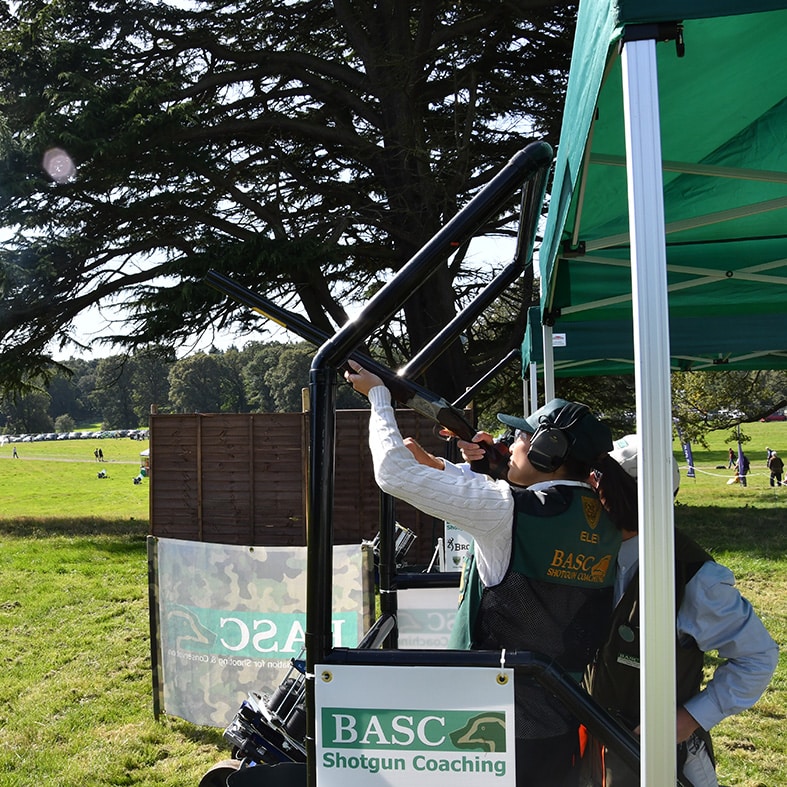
[408,393]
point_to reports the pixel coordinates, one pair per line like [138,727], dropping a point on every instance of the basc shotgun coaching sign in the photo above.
[411,726]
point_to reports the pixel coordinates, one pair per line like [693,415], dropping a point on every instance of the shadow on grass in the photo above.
[760,532]
[211,736]
[33,527]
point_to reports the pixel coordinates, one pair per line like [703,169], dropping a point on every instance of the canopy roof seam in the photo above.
[750,273]
[709,170]
[705,220]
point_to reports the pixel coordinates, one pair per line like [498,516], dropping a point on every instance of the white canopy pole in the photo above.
[533,388]
[654,422]
[549,364]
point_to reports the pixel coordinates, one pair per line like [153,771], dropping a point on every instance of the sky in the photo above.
[94,322]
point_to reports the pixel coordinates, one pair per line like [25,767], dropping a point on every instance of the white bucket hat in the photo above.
[624,452]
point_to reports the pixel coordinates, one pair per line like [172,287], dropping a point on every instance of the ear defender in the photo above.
[551,443]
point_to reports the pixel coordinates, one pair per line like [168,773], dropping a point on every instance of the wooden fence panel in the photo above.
[240,479]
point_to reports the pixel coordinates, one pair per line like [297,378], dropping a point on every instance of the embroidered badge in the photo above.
[629,661]
[592,508]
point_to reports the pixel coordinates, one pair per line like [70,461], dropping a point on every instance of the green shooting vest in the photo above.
[555,598]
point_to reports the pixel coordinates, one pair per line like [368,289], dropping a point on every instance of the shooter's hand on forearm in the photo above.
[361,380]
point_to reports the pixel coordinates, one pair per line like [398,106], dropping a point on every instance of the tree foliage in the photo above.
[305,148]
[706,401]
[198,384]
[112,393]
[118,391]
[27,413]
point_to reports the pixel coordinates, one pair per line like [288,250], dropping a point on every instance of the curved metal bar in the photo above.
[532,202]
[525,164]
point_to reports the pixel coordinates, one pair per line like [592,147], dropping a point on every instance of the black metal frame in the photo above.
[532,165]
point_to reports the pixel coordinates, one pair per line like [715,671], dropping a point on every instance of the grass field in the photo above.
[75,693]
[56,479]
[745,528]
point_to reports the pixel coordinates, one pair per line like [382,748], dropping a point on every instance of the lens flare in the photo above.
[59,165]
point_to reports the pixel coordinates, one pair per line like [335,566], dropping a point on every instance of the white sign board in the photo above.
[410,726]
[457,545]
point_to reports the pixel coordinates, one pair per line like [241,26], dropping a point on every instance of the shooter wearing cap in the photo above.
[542,572]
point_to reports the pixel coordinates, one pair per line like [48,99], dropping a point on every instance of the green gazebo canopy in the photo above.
[597,347]
[723,108]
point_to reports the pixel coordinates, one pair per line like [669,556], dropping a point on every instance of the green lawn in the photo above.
[75,696]
[746,529]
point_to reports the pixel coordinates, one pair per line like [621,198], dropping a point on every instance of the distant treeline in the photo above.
[117,392]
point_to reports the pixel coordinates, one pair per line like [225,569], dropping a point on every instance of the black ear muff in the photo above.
[551,443]
[549,447]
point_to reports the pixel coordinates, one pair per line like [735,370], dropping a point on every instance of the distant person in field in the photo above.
[776,466]
[732,460]
[15,454]
[95,453]
[100,455]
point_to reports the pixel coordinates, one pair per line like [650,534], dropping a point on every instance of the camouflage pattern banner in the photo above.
[228,619]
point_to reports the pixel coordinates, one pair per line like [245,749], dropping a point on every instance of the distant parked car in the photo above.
[777,416]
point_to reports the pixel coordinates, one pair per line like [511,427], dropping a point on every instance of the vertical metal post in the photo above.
[386,565]
[319,529]
[549,364]
[533,388]
[654,423]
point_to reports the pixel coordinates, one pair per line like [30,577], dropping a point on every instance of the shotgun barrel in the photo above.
[408,393]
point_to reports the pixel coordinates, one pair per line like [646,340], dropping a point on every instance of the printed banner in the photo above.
[687,453]
[410,726]
[229,619]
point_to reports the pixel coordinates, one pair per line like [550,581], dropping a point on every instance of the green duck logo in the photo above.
[486,732]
